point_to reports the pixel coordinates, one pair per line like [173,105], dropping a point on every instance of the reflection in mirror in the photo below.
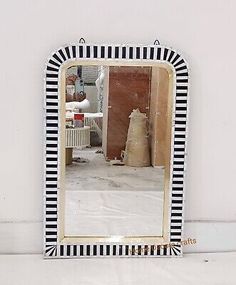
[117,150]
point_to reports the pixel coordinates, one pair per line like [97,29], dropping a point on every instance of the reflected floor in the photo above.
[97,174]
[112,200]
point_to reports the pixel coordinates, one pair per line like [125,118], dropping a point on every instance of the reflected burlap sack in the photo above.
[137,147]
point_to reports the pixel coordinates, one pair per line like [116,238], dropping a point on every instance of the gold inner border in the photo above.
[61,195]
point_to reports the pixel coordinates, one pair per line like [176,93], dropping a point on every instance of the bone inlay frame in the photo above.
[151,54]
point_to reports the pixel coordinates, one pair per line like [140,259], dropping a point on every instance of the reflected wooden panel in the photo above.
[160,117]
[129,88]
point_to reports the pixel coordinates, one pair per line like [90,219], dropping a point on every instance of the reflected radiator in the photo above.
[78,137]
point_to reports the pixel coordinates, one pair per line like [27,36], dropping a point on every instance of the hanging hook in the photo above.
[82,41]
[156,42]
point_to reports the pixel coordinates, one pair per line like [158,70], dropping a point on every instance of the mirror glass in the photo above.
[116,159]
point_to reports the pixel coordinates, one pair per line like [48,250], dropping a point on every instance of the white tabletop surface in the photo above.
[199,269]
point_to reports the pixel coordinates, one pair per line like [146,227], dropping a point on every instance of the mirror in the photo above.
[115,147]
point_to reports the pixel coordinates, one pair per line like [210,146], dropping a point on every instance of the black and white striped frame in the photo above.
[53,247]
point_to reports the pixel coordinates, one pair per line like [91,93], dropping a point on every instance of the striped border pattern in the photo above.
[155,53]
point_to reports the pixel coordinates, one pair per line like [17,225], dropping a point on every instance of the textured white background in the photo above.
[203,31]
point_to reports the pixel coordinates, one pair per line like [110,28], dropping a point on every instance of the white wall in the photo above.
[92,96]
[203,31]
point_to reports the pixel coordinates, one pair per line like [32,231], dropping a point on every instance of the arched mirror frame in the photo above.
[55,244]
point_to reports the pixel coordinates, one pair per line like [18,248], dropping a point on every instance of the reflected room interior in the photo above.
[117,150]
